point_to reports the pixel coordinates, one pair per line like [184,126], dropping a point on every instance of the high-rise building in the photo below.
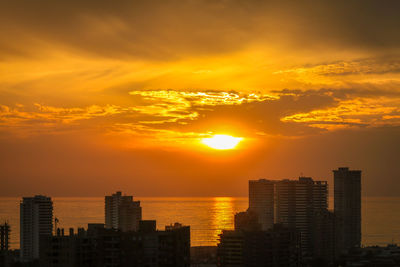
[261,201]
[4,244]
[298,202]
[347,208]
[36,219]
[122,213]
[4,236]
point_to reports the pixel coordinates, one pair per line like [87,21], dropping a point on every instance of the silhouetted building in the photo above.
[122,213]
[230,249]
[373,256]
[174,246]
[247,221]
[261,201]
[98,246]
[203,256]
[36,219]
[147,226]
[347,191]
[278,246]
[298,202]
[4,236]
[4,244]
[323,234]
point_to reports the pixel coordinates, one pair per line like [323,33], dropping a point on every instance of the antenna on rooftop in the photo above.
[56,221]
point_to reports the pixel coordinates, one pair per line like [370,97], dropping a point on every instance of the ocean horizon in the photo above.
[207,216]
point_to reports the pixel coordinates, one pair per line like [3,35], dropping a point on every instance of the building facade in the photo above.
[347,208]
[122,213]
[36,221]
[261,201]
[298,203]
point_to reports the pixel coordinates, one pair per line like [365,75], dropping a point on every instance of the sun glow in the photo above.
[221,141]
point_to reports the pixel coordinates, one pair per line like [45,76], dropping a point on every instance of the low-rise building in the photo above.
[98,246]
[278,246]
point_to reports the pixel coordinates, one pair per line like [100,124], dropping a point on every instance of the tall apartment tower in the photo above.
[261,201]
[122,213]
[4,236]
[36,219]
[298,203]
[347,207]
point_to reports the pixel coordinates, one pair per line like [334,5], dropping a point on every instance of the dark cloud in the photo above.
[173,29]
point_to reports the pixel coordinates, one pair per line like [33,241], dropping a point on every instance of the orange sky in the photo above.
[97,96]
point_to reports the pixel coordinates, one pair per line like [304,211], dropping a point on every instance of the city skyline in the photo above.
[287,222]
[122,213]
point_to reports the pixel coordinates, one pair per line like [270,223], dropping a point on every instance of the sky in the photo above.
[99,96]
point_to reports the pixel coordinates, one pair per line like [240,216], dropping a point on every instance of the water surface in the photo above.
[206,216]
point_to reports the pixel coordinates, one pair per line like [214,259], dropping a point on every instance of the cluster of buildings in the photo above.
[123,240]
[288,222]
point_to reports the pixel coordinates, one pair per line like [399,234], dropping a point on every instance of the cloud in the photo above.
[40,119]
[354,67]
[288,112]
[171,30]
[179,115]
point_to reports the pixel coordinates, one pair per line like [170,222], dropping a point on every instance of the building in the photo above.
[122,213]
[4,244]
[247,220]
[385,256]
[347,208]
[298,203]
[261,201]
[4,236]
[230,249]
[174,246]
[323,234]
[99,246]
[36,221]
[203,256]
[278,246]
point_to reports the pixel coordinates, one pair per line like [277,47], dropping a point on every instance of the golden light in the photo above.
[222,141]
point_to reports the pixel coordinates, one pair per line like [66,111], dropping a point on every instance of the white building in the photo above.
[122,213]
[36,219]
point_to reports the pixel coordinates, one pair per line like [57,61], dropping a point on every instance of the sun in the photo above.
[222,141]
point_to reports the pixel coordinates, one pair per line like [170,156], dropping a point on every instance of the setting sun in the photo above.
[221,141]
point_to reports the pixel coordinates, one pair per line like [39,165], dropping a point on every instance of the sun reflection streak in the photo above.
[222,215]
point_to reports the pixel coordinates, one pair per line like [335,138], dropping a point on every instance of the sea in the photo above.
[207,216]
